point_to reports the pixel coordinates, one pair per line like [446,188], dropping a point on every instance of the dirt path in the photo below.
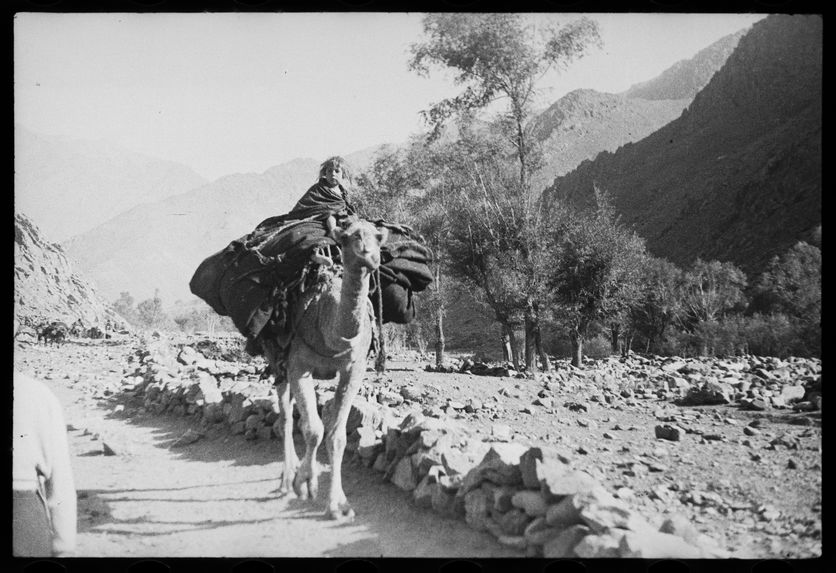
[218,496]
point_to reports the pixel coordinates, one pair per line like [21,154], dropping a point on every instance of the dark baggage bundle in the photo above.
[404,270]
[257,277]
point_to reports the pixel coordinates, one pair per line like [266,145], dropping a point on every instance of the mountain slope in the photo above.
[51,174]
[46,286]
[687,77]
[159,245]
[738,176]
[584,123]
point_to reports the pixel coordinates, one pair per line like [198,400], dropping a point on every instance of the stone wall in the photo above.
[528,498]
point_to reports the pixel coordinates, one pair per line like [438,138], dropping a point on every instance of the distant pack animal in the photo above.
[334,330]
[95,332]
[77,329]
[55,333]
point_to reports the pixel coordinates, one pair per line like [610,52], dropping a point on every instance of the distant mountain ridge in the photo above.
[738,176]
[159,245]
[585,122]
[52,173]
[687,77]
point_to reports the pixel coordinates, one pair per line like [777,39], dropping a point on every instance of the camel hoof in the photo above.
[343,512]
[298,488]
[305,488]
[285,487]
[286,482]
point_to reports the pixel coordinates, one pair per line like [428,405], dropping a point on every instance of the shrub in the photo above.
[597,347]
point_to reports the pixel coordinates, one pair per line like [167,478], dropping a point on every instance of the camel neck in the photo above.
[352,307]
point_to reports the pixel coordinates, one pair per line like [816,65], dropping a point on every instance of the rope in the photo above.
[379,301]
[381,344]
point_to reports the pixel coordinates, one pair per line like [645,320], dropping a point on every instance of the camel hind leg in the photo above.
[302,388]
[286,402]
[291,462]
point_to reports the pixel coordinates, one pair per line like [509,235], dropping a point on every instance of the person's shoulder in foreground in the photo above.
[41,452]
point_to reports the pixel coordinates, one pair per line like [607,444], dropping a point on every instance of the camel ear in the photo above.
[382,235]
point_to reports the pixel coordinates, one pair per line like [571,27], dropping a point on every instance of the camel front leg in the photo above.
[291,462]
[350,379]
[302,388]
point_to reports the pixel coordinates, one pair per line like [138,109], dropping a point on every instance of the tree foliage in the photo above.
[595,267]
[496,229]
[150,312]
[710,290]
[407,185]
[124,306]
[791,284]
[659,304]
[496,56]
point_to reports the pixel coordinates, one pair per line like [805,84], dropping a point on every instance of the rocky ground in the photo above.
[733,446]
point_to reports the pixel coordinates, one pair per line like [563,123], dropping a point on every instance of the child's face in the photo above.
[334,175]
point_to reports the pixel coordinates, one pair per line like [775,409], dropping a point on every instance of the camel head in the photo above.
[360,243]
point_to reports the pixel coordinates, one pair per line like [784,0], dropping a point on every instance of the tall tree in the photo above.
[500,57]
[596,268]
[791,284]
[659,303]
[407,185]
[711,290]
[150,311]
[124,306]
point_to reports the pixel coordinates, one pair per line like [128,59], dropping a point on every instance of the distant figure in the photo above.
[77,329]
[44,501]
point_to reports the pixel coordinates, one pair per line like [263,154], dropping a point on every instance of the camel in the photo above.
[333,331]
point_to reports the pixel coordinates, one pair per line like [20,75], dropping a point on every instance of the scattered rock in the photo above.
[650,544]
[501,432]
[564,543]
[512,541]
[423,493]
[514,522]
[559,480]
[538,532]
[602,545]
[404,475]
[668,432]
[708,393]
[755,404]
[531,502]
[528,464]
[476,509]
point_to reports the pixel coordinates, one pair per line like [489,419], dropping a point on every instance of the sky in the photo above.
[231,93]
